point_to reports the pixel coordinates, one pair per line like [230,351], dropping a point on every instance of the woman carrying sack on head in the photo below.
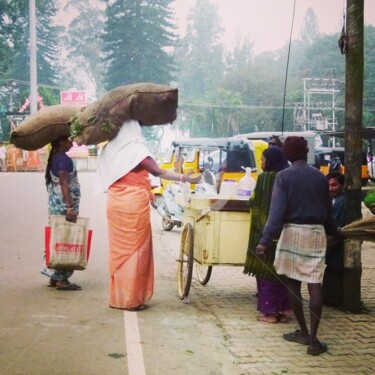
[63,198]
[123,172]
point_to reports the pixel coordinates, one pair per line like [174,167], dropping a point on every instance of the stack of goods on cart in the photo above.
[148,103]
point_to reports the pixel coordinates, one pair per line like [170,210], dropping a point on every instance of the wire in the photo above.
[287,66]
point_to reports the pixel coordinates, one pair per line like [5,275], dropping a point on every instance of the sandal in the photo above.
[296,337]
[68,286]
[137,308]
[52,283]
[322,348]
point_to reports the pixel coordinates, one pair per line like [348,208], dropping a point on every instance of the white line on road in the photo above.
[136,364]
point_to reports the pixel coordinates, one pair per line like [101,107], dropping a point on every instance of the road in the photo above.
[46,331]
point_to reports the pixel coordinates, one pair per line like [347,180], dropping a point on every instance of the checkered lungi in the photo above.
[300,252]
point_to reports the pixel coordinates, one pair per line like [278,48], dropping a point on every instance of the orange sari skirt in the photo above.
[131,263]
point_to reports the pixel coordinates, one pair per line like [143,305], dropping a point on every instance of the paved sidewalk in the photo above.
[258,348]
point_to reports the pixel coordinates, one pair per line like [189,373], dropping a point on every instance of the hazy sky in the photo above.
[268,22]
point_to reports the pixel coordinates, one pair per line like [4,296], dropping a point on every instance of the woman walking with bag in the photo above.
[63,198]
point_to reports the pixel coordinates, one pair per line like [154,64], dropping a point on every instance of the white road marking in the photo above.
[136,364]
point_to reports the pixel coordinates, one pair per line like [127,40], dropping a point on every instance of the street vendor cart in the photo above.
[215,232]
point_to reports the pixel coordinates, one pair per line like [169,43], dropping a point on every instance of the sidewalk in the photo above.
[258,348]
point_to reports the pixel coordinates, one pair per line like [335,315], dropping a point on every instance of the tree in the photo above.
[10,30]
[369,76]
[47,50]
[242,56]
[201,68]
[310,29]
[353,150]
[200,53]
[138,37]
[84,44]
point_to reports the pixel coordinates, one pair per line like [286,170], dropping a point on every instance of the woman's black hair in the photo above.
[54,145]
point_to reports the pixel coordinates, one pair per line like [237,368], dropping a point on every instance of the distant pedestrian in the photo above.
[301,207]
[3,155]
[275,140]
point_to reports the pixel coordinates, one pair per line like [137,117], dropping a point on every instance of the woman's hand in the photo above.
[71,215]
[191,177]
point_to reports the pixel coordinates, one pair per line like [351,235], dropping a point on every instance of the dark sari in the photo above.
[260,204]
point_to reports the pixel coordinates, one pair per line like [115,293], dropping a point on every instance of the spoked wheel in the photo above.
[203,273]
[185,261]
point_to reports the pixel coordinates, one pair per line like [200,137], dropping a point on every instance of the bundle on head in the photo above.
[44,126]
[148,103]
[295,148]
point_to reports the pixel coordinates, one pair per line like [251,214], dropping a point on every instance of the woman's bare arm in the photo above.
[152,167]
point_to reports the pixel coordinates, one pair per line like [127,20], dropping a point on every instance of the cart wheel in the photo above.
[203,273]
[167,224]
[185,261]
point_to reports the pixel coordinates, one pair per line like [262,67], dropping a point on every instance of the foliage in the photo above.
[137,38]
[200,58]
[11,12]
[310,28]
[83,44]
[47,46]
[369,199]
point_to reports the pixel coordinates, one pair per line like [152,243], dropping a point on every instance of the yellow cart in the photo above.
[215,232]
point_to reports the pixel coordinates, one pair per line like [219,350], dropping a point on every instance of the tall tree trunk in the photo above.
[353,150]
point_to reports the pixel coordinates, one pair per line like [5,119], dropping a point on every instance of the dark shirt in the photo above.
[335,254]
[61,162]
[300,196]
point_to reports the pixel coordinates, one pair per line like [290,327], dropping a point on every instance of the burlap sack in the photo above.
[44,126]
[149,103]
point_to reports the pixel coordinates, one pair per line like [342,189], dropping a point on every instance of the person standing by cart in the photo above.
[273,300]
[123,172]
[334,272]
[301,207]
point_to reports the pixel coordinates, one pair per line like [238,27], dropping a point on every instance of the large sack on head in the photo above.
[44,126]
[149,103]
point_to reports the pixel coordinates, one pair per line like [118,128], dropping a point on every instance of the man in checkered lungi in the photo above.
[301,209]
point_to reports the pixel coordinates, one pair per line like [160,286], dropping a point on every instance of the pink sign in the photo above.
[73,97]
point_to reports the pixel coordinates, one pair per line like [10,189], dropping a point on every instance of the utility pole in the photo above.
[33,66]
[353,150]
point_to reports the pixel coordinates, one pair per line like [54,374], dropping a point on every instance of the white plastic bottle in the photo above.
[246,185]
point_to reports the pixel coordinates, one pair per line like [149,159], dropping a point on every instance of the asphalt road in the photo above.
[45,331]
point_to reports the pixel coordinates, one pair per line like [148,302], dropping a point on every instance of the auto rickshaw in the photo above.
[224,158]
[329,159]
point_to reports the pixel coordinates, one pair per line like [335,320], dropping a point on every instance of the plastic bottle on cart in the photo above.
[246,185]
